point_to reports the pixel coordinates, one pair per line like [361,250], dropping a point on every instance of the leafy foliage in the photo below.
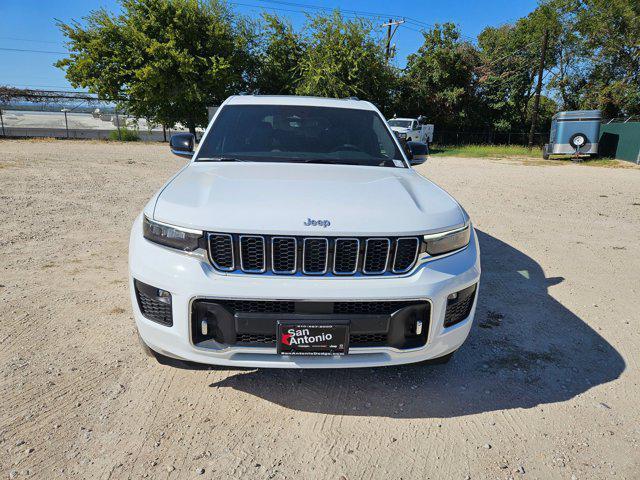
[278,72]
[440,79]
[166,60]
[343,59]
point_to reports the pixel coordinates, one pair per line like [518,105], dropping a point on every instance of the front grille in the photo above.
[258,254]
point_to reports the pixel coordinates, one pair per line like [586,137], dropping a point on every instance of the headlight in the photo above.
[440,243]
[402,135]
[175,237]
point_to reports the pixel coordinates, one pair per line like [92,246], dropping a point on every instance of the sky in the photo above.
[28,25]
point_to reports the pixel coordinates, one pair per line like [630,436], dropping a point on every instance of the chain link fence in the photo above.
[454,138]
[68,124]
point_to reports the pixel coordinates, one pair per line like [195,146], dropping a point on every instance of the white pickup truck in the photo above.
[298,235]
[411,130]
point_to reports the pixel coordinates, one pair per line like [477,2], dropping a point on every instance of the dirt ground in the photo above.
[547,385]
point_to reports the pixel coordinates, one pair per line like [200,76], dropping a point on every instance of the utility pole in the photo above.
[536,101]
[390,33]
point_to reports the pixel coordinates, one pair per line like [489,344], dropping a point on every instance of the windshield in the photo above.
[300,134]
[400,123]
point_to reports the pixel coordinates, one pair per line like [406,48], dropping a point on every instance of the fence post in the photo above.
[2,122]
[66,125]
[118,124]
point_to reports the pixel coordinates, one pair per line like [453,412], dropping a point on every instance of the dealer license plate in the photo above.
[300,338]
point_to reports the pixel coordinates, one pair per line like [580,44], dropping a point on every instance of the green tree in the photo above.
[281,48]
[343,59]
[439,80]
[164,60]
[610,34]
[510,58]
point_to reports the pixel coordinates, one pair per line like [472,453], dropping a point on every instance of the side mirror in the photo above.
[417,152]
[182,144]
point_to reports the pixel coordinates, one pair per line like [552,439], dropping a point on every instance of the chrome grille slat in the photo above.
[342,257]
[315,255]
[281,255]
[375,250]
[298,255]
[221,251]
[405,254]
[252,254]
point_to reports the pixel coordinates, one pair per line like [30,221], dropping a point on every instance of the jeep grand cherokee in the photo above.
[299,235]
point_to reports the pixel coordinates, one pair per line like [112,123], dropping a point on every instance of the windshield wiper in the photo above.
[220,159]
[335,161]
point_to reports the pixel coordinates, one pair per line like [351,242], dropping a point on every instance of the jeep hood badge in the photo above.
[317,223]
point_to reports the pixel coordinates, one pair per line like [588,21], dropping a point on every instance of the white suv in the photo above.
[298,235]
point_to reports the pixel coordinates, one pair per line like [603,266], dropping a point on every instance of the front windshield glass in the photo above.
[283,133]
[400,123]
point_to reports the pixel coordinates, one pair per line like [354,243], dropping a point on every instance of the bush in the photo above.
[126,135]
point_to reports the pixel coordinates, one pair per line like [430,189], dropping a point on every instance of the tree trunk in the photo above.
[536,101]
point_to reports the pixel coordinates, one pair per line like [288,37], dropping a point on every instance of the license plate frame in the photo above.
[312,337]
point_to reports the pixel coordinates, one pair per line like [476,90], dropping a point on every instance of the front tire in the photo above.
[545,152]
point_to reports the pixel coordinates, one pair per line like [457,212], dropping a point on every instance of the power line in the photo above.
[59,88]
[32,51]
[361,13]
[15,39]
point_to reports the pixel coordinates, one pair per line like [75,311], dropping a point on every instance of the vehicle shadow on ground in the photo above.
[525,349]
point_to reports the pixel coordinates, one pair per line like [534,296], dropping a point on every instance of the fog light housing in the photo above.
[459,305]
[154,303]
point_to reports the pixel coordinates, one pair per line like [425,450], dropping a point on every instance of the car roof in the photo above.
[352,103]
[401,118]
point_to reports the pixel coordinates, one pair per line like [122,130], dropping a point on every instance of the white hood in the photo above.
[278,198]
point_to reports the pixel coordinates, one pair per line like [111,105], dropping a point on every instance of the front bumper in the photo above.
[189,278]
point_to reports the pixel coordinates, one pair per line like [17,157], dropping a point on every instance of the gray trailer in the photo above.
[574,133]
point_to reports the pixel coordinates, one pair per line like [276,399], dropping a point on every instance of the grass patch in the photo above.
[126,135]
[485,151]
[607,162]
